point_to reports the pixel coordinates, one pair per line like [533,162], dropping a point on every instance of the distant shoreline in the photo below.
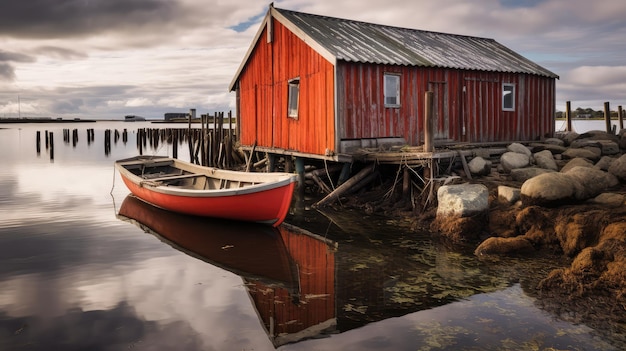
[44,120]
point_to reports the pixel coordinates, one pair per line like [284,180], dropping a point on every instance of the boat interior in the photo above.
[164,173]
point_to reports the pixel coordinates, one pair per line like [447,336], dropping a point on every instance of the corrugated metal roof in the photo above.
[356,41]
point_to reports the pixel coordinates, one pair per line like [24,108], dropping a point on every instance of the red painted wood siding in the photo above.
[263,93]
[316,301]
[467,104]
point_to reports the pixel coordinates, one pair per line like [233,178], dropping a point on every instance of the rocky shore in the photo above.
[563,196]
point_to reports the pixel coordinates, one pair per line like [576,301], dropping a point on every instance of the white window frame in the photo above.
[388,89]
[508,104]
[293,97]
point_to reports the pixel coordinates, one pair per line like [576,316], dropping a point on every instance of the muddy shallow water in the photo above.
[84,267]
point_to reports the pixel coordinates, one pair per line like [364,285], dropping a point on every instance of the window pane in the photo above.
[508,97]
[392,90]
[294,91]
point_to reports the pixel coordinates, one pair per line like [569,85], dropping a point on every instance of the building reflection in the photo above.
[303,285]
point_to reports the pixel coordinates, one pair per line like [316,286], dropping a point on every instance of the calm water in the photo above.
[85,267]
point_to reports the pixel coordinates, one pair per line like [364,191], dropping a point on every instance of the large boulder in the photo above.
[513,160]
[462,200]
[523,174]
[544,159]
[590,182]
[581,153]
[618,168]
[576,162]
[604,163]
[548,189]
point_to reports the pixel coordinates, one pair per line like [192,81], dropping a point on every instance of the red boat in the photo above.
[187,188]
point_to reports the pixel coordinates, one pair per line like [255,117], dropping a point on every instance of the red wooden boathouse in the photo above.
[322,87]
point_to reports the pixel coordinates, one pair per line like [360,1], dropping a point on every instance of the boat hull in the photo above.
[264,203]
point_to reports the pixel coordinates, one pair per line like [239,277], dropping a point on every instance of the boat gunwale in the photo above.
[277,179]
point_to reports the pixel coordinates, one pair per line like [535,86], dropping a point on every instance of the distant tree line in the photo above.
[586,113]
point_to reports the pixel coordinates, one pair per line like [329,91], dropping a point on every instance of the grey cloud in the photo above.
[42,19]
[59,52]
[7,72]
[15,57]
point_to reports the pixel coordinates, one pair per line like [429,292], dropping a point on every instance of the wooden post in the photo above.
[620,117]
[38,142]
[203,140]
[345,173]
[271,162]
[300,173]
[428,122]
[51,146]
[406,182]
[190,141]
[607,117]
[174,144]
[568,116]
[47,140]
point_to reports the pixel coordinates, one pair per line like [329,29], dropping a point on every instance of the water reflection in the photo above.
[304,287]
[288,273]
[75,276]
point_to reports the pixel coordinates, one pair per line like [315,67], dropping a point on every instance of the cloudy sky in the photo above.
[110,58]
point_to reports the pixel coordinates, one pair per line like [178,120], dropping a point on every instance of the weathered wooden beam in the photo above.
[346,186]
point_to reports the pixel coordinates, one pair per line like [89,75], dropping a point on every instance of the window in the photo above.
[508,97]
[294,97]
[392,90]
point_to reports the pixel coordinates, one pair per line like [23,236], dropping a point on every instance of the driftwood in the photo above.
[345,187]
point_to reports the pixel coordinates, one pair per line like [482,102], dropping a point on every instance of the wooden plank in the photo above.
[183,176]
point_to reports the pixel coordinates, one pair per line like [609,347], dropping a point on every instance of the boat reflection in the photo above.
[289,273]
[229,245]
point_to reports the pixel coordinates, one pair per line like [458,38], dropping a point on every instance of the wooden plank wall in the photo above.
[263,93]
[468,104]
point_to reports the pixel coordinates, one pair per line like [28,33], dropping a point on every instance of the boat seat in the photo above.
[173,177]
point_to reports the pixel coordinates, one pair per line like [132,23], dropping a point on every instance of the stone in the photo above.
[462,200]
[599,135]
[504,246]
[523,174]
[554,141]
[618,168]
[513,160]
[590,182]
[604,163]
[544,159]
[519,148]
[582,153]
[508,194]
[609,199]
[583,162]
[609,147]
[554,149]
[551,188]
[569,137]
[479,166]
